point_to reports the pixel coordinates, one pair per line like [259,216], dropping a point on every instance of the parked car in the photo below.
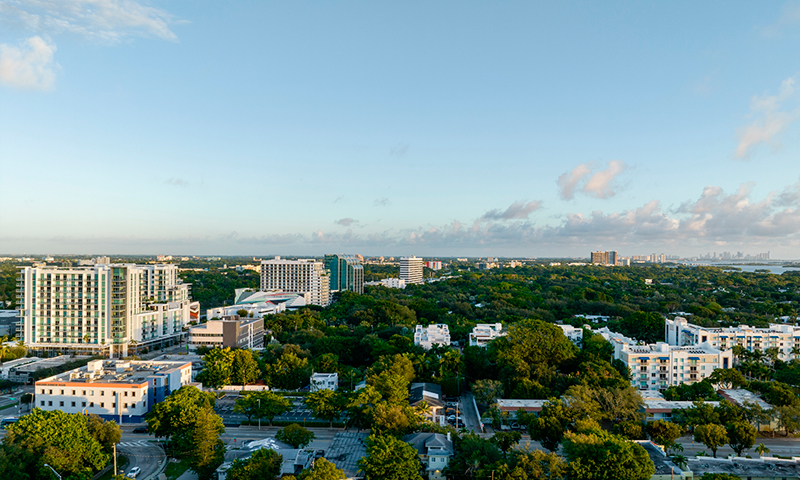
[134,472]
[140,430]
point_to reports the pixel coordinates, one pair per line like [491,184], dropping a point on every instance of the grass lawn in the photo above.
[175,470]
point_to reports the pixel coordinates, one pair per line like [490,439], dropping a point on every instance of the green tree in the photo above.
[473,454]
[263,464]
[326,404]
[663,432]
[361,406]
[176,416]
[741,436]
[244,368]
[263,404]
[487,391]
[788,418]
[218,368]
[505,441]
[328,363]
[106,433]
[549,426]
[531,464]
[631,430]
[762,449]
[207,451]
[726,378]
[389,458]
[601,455]
[394,419]
[322,470]
[289,372]
[59,439]
[295,435]
[711,435]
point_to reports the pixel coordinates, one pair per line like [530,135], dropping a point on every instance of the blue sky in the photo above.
[428,128]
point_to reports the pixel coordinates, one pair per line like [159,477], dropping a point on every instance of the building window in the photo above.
[60,404]
[73,404]
[83,404]
[91,404]
[43,403]
[102,393]
[49,403]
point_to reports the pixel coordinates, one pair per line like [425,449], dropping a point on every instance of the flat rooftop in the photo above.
[346,450]
[739,396]
[115,372]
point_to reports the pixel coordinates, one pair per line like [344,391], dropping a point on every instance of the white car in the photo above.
[134,472]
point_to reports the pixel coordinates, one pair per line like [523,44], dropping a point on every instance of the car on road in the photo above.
[140,430]
[134,472]
[8,421]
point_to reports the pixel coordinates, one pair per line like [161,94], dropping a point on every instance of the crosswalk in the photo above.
[138,443]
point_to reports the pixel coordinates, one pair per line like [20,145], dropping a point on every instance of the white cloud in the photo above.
[28,65]
[772,117]
[598,184]
[381,202]
[346,222]
[568,181]
[107,21]
[790,16]
[177,182]
[516,211]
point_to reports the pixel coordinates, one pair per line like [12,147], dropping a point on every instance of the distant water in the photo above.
[776,269]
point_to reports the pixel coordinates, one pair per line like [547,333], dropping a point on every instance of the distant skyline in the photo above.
[514,129]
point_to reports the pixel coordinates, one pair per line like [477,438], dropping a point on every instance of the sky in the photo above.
[449,128]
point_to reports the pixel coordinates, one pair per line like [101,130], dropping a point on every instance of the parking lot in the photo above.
[299,414]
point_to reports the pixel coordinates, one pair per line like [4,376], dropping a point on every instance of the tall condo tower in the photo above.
[411,269]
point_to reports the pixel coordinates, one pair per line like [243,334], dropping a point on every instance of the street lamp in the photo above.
[54,471]
[259,414]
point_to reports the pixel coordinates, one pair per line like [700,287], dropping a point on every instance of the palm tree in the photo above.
[761,449]
[681,461]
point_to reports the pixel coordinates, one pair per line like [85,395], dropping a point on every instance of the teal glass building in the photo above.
[347,273]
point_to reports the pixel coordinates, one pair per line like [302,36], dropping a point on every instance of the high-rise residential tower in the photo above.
[104,309]
[300,276]
[411,269]
[346,271]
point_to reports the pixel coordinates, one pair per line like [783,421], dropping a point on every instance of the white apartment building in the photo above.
[658,366]
[304,275]
[434,264]
[574,334]
[115,390]
[324,381]
[230,331]
[393,283]
[411,270]
[427,337]
[103,309]
[783,337]
[483,333]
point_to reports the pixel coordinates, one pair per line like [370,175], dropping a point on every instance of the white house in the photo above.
[483,333]
[432,335]
[434,450]
[324,381]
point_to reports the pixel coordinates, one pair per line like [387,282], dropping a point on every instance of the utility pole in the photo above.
[115,461]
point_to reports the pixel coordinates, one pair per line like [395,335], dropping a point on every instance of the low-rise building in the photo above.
[512,405]
[664,409]
[434,450]
[24,372]
[426,337]
[289,300]
[483,333]
[252,310]
[324,381]
[658,366]
[123,391]
[230,331]
[783,337]
[434,264]
[431,394]
[574,334]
